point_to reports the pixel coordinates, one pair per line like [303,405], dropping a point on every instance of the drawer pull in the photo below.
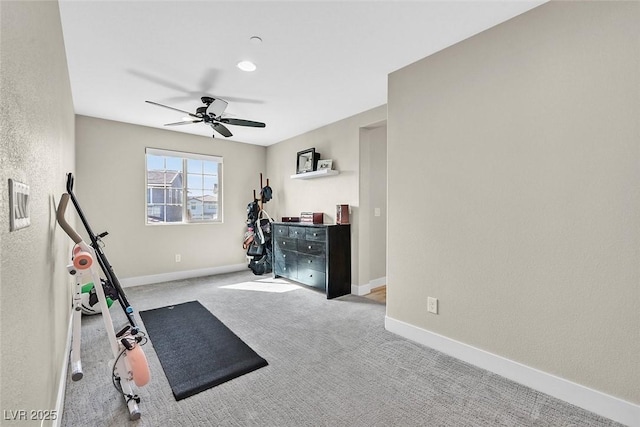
[311,275]
[284,243]
[284,255]
[315,234]
[284,268]
[310,261]
[296,232]
[309,246]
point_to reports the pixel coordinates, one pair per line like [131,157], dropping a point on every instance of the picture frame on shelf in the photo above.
[325,164]
[307,160]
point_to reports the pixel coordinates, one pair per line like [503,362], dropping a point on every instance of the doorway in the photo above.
[373,211]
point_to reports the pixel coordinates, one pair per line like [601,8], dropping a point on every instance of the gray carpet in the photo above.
[331,363]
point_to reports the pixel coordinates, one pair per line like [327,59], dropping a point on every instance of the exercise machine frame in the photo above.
[130,367]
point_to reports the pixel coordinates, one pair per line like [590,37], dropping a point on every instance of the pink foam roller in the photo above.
[82,260]
[139,366]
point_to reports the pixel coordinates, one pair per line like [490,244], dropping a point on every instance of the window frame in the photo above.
[184,156]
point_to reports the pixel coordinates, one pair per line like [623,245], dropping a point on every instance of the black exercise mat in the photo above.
[196,350]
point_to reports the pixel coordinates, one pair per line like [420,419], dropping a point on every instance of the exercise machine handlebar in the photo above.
[62,207]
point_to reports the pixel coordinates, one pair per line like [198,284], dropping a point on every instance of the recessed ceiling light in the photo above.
[247,66]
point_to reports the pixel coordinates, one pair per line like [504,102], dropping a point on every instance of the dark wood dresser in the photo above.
[317,255]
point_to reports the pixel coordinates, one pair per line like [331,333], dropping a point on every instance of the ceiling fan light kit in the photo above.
[211,113]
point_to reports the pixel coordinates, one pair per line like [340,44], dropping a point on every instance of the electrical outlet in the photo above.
[432,305]
[178,258]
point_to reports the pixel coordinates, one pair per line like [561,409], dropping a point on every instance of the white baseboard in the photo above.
[360,289]
[62,385]
[180,275]
[367,287]
[376,283]
[592,400]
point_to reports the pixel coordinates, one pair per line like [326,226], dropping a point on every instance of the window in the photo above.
[183,187]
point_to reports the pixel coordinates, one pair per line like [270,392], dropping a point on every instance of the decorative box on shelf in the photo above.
[312,217]
[290,219]
[342,214]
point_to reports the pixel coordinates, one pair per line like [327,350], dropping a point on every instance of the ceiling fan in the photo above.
[211,114]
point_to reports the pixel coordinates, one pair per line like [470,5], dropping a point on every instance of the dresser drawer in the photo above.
[310,247]
[296,232]
[280,230]
[315,234]
[286,269]
[313,278]
[285,256]
[286,243]
[312,262]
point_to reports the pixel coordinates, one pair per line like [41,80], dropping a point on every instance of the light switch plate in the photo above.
[19,216]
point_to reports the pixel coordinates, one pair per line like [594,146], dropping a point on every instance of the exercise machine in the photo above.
[130,367]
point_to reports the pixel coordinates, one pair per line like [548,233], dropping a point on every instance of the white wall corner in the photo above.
[592,400]
[180,275]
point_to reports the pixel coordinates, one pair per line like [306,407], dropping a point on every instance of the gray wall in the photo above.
[111,189]
[36,148]
[339,141]
[523,143]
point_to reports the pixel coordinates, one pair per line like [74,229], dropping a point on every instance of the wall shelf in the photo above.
[315,174]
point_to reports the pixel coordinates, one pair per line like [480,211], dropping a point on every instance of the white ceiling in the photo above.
[319,62]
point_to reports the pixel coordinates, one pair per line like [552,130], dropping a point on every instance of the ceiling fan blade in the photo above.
[217,107]
[208,78]
[186,122]
[221,129]
[171,108]
[242,122]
